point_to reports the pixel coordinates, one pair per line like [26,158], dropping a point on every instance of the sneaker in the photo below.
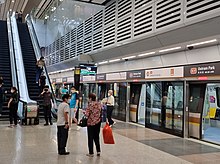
[90,155]
[114,123]
[0,114]
[10,126]
[98,154]
[46,124]
[51,123]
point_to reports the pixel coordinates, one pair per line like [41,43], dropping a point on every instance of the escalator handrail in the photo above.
[37,51]
[12,53]
[22,82]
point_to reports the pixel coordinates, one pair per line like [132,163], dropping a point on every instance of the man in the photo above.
[110,107]
[47,96]
[74,101]
[62,125]
[2,94]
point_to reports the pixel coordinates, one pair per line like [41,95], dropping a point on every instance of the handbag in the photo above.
[83,121]
[107,135]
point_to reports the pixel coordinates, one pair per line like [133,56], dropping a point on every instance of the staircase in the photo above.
[29,60]
[5,67]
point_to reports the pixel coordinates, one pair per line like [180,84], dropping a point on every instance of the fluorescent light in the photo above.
[148,53]
[129,57]
[200,43]
[114,60]
[170,49]
[104,62]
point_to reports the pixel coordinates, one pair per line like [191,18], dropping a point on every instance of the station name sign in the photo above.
[101,77]
[202,70]
[135,75]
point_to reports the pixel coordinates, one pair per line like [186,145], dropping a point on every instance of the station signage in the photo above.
[202,70]
[164,73]
[116,76]
[101,77]
[131,75]
[70,79]
[64,79]
[87,78]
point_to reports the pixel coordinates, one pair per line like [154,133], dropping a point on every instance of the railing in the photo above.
[13,64]
[38,53]
[17,61]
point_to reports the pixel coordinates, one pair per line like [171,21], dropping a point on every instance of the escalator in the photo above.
[29,60]
[5,66]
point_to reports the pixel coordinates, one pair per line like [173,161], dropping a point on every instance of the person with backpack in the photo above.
[13,107]
[47,105]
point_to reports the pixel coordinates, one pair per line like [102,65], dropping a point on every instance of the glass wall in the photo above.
[164,105]
[85,91]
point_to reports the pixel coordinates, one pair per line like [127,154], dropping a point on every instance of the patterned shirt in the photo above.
[93,112]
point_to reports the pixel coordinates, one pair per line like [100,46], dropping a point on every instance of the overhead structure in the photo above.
[17,5]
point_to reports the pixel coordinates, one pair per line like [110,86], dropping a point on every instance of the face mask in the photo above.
[12,91]
[68,100]
[72,91]
[109,94]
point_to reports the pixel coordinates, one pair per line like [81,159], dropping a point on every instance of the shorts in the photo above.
[72,113]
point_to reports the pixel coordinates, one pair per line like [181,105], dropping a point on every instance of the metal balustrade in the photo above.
[125,20]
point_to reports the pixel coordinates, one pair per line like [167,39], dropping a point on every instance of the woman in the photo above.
[13,106]
[93,113]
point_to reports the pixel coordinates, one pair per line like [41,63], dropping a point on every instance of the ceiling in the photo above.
[17,5]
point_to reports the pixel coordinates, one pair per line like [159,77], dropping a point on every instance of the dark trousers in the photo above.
[1,104]
[38,73]
[62,136]
[13,115]
[93,135]
[47,113]
[109,114]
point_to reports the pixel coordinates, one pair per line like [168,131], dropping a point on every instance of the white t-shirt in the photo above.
[62,108]
[111,101]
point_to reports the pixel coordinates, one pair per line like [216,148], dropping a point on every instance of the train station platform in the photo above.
[134,144]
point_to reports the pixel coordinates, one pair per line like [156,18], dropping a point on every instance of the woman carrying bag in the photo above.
[93,113]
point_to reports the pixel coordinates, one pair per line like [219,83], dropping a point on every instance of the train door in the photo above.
[137,103]
[195,105]
[211,113]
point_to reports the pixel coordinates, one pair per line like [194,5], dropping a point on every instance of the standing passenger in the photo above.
[73,106]
[47,96]
[20,17]
[42,82]
[93,113]
[16,16]
[13,106]
[110,107]
[40,64]
[62,125]
[2,95]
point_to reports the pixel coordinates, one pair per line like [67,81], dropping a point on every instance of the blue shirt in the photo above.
[74,97]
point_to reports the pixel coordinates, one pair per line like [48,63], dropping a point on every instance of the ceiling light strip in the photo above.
[114,60]
[129,57]
[200,43]
[148,53]
[170,49]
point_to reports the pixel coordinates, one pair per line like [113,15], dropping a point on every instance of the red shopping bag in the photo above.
[107,135]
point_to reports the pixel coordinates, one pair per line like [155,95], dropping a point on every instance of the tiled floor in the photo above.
[134,145]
